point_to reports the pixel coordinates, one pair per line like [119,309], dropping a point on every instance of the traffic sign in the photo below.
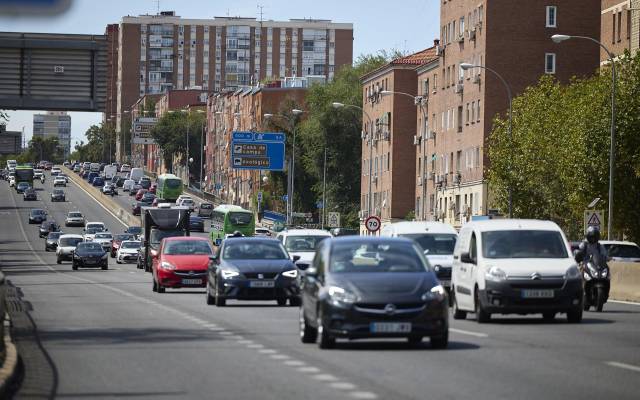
[257,150]
[333,219]
[592,218]
[260,197]
[372,223]
[142,130]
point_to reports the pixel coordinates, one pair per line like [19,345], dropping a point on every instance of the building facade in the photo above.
[54,124]
[157,53]
[616,27]
[10,141]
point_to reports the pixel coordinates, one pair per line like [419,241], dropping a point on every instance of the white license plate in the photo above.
[261,284]
[390,327]
[537,294]
[192,281]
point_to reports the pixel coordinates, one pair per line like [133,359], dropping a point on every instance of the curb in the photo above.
[10,367]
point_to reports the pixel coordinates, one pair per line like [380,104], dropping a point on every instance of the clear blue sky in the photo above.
[408,25]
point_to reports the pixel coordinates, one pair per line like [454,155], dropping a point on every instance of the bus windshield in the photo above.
[173,183]
[240,218]
[24,174]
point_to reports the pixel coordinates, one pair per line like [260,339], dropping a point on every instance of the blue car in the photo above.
[97,181]
[92,176]
[196,224]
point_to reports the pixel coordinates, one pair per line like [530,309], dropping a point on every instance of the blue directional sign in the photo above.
[257,150]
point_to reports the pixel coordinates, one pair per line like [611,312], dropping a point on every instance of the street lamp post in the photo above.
[612,153]
[466,66]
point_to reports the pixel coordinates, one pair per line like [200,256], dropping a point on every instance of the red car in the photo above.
[140,193]
[153,187]
[117,240]
[181,262]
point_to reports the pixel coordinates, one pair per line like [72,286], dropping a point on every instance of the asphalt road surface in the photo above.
[105,334]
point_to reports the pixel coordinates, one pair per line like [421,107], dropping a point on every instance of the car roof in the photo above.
[408,227]
[36,209]
[618,242]
[75,211]
[367,239]
[305,232]
[512,224]
[95,222]
[70,235]
[185,239]
[251,239]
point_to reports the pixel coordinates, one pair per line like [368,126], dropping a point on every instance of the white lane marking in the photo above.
[623,366]
[342,385]
[245,341]
[255,346]
[325,377]
[100,204]
[470,333]
[225,333]
[279,357]
[235,337]
[363,395]
[267,351]
[309,370]
[631,303]
[294,363]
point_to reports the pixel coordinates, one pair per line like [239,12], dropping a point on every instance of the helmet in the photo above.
[237,234]
[593,234]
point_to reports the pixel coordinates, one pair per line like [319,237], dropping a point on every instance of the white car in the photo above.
[125,168]
[37,173]
[187,202]
[12,181]
[515,266]
[182,197]
[128,251]
[91,228]
[55,171]
[262,232]
[59,181]
[66,246]
[302,242]
[74,218]
[128,185]
[621,251]
[104,239]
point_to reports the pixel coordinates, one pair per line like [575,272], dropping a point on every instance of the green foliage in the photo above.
[99,147]
[558,159]
[411,216]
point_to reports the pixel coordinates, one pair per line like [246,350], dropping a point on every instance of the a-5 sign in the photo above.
[372,223]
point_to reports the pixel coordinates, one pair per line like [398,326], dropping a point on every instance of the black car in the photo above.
[145,183]
[148,198]
[134,230]
[196,224]
[89,254]
[136,208]
[58,195]
[21,187]
[134,190]
[118,181]
[372,287]
[52,241]
[30,195]
[37,216]
[249,268]
[48,226]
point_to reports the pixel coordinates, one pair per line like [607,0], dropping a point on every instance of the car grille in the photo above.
[265,275]
[189,274]
[538,284]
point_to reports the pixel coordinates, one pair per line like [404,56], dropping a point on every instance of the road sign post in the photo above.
[372,224]
[592,218]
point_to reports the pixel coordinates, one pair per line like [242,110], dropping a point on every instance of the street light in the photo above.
[466,66]
[612,155]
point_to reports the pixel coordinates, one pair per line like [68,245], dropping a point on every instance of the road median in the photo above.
[625,281]
[8,350]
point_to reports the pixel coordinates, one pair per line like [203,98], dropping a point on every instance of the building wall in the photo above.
[54,124]
[10,141]
[615,27]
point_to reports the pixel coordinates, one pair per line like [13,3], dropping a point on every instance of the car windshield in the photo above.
[104,236]
[157,235]
[523,244]
[134,229]
[623,250]
[186,247]
[240,218]
[37,212]
[123,236]
[301,243]
[206,206]
[88,246]
[434,243]
[95,226]
[54,235]
[58,191]
[357,257]
[70,242]
[130,245]
[92,230]
[252,250]
[75,215]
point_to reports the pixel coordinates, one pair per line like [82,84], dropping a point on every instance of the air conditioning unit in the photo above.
[459,88]
[461,38]
[418,100]
[457,178]
[472,33]
[432,176]
[416,140]
[431,134]
[440,51]
[476,78]
[374,179]
[419,181]
[386,135]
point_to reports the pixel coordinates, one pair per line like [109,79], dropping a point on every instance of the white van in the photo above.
[302,242]
[94,167]
[436,239]
[136,174]
[110,171]
[515,266]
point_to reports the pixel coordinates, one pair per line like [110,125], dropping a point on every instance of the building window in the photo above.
[478,113]
[613,28]
[551,16]
[550,63]
[619,24]
[460,119]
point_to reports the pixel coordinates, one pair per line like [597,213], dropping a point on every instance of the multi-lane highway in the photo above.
[107,335]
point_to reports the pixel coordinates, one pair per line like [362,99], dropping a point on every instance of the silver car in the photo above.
[74,218]
[104,239]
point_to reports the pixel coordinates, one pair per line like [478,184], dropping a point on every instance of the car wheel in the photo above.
[58,260]
[282,301]
[575,316]
[118,261]
[457,313]
[414,339]
[113,255]
[549,316]
[295,301]
[74,266]
[219,300]
[161,289]
[482,316]
[105,267]
[440,342]
[326,340]
[46,249]
[210,299]
[308,334]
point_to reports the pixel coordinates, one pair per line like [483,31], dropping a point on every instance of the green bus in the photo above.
[169,187]
[227,218]
[24,173]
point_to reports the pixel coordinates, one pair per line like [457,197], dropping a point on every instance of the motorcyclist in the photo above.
[591,248]
[237,234]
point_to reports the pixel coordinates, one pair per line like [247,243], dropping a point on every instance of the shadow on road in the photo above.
[587,319]
[110,336]
[119,394]
[401,346]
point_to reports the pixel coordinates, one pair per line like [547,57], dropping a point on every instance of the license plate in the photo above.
[390,327]
[445,282]
[90,262]
[261,284]
[537,294]
[192,281]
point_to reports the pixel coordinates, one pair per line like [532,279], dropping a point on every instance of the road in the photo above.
[108,335]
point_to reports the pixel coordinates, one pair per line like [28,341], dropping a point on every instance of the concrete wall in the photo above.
[625,281]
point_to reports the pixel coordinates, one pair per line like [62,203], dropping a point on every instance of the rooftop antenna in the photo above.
[158,6]
[261,13]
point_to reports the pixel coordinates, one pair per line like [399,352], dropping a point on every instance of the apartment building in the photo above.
[157,53]
[616,26]
[10,141]
[512,39]
[389,129]
[54,124]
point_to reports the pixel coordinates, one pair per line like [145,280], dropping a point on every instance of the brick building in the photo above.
[157,53]
[616,26]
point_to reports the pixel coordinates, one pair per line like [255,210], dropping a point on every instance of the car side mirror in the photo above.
[302,266]
[295,258]
[465,257]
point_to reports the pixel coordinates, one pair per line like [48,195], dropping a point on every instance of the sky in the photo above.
[409,26]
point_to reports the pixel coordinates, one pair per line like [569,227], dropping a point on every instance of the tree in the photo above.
[100,145]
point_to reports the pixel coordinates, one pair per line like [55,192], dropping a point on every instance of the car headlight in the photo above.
[437,268]
[229,273]
[495,274]
[340,296]
[167,265]
[436,293]
[572,273]
[291,274]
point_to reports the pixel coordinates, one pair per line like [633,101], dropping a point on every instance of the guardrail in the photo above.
[625,281]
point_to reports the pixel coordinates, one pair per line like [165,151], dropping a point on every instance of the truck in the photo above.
[110,171]
[159,223]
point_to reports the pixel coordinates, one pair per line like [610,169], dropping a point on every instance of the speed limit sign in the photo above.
[372,223]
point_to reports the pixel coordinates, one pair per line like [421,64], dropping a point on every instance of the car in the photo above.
[65,176]
[621,251]
[118,181]
[12,181]
[302,242]
[88,254]
[125,168]
[104,239]
[148,198]
[74,218]
[55,171]
[76,168]
[66,246]
[134,190]
[117,242]
[140,193]
[196,224]
[144,183]
[90,233]
[134,230]
[180,262]
[58,195]
[127,184]
[515,266]
[153,188]
[187,202]
[22,186]
[361,287]
[30,195]
[46,227]
[249,268]
[205,210]
[37,173]
[262,232]
[136,208]
[97,181]
[51,242]
[91,176]
[109,188]
[48,166]
[128,251]
[37,216]
[59,181]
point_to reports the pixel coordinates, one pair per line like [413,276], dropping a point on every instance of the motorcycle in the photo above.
[597,281]
[42,178]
